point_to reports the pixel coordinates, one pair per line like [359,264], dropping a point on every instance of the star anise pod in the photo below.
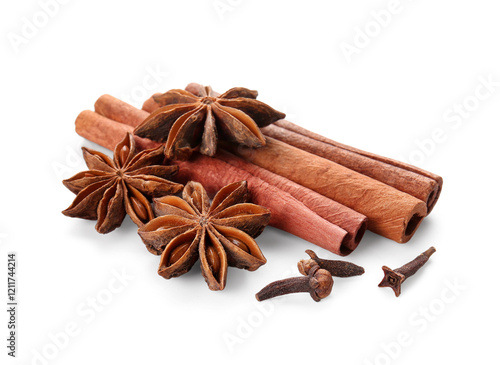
[119,186]
[219,234]
[187,121]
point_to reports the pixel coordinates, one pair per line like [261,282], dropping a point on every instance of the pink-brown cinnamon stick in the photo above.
[287,213]
[415,181]
[353,222]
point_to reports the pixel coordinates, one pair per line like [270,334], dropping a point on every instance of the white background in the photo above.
[395,96]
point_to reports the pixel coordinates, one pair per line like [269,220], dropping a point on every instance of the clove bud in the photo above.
[394,278]
[318,283]
[341,269]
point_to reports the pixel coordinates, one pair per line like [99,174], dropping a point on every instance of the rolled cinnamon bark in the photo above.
[105,132]
[351,221]
[150,105]
[415,181]
[390,212]
[123,112]
[287,213]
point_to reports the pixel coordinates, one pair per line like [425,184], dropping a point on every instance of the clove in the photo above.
[341,269]
[317,282]
[394,278]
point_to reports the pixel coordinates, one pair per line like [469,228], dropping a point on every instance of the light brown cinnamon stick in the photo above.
[125,113]
[98,129]
[390,212]
[351,221]
[287,213]
[415,181]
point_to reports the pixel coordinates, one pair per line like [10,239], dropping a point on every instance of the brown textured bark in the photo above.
[106,132]
[351,221]
[390,212]
[151,105]
[123,112]
[287,213]
[415,181]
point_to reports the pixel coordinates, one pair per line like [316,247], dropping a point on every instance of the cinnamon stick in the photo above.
[412,180]
[287,213]
[125,113]
[415,181]
[351,221]
[100,130]
[390,212]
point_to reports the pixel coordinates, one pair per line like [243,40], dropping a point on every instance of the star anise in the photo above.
[119,186]
[187,121]
[219,234]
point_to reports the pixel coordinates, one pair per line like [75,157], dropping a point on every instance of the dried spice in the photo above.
[341,269]
[390,212]
[415,181]
[187,121]
[394,278]
[219,234]
[317,282]
[115,187]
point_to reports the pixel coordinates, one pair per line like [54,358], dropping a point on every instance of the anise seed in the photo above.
[124,152]
[213,260]
[177,253]
[139,209]
[240,244]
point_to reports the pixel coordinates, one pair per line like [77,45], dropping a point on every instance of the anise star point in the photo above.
[392,279]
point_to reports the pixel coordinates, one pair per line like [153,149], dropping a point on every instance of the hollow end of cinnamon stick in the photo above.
[353,243]
[434,196]
[412,223]
[352,240]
